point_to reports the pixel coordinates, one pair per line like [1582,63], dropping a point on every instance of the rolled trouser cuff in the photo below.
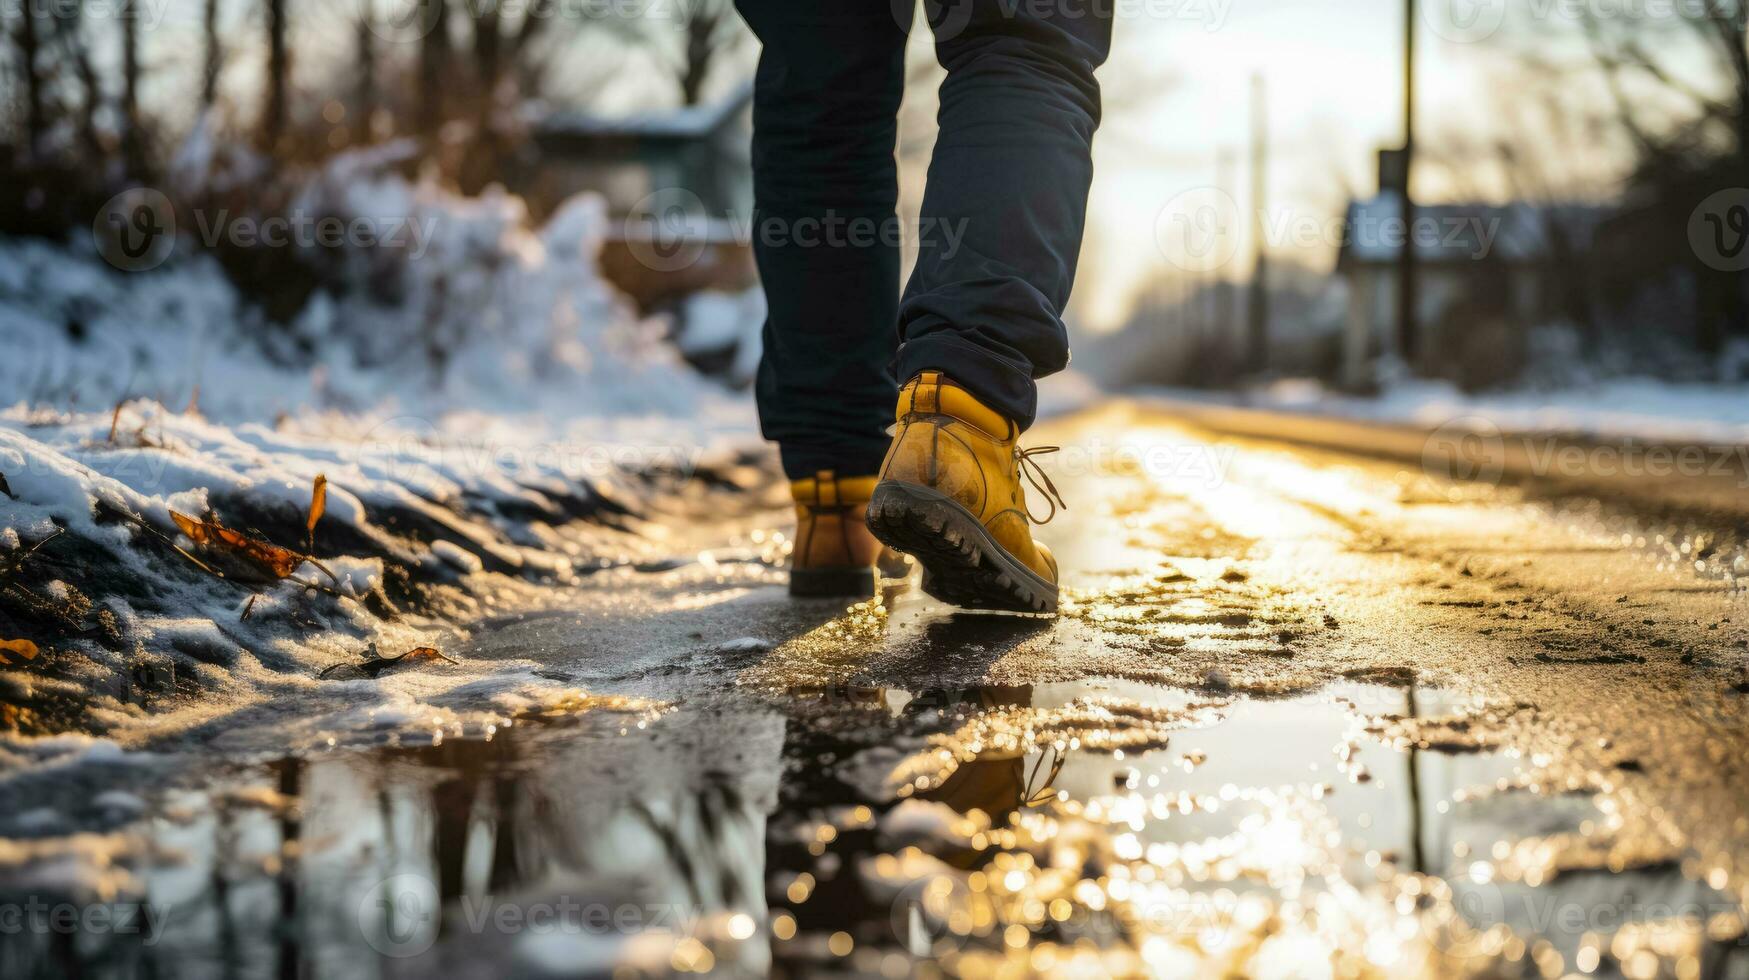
[997,381]
[849,457]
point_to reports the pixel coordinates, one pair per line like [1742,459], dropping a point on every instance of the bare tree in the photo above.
[29,43]
[133,136]
[365,96]
[1687,131]
[274,109]
[434,61]
[215,55]
[687,38]
[706,28]
[1626,50]
[488,48]
[70,35]
[1729,24]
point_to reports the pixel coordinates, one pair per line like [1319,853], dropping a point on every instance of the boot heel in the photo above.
[832,583]
[962,563]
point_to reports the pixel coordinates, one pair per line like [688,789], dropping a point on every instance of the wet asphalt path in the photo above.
[1305,713]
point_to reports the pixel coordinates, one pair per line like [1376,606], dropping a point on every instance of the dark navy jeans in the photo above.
[1002,217]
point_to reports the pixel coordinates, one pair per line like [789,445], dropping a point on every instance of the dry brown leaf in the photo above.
[193,403]
[6,488]
[19,648]
[281,562]
[14,718]
[318,505]
[114,420]
[419,653]
[376,665]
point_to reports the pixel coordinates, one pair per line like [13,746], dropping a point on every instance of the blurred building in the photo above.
[1487,275]
[678,183]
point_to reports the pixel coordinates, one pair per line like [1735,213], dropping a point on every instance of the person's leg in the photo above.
[982,318]
[1011,173]
[825,113]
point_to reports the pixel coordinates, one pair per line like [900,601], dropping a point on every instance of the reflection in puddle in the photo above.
[1110,828]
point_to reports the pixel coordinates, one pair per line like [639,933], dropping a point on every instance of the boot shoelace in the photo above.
[1040,480]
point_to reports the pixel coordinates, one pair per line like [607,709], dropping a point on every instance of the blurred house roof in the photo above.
[683,125]
[1516,232]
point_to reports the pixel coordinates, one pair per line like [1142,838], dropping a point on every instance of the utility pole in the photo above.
[1407,336]
[133,141]
[1224,326]
[1258,307]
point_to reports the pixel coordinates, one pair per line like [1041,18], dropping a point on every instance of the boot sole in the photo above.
[962,563]
[832,583]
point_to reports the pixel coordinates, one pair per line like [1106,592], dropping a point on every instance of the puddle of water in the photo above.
[1110,827]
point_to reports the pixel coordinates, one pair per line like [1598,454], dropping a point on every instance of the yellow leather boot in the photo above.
[835,555]
[950,496]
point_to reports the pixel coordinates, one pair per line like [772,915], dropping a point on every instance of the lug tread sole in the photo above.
[962,563]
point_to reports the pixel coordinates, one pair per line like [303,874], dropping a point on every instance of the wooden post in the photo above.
[1258,307]
[1408,337]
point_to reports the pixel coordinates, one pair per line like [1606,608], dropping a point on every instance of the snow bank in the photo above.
[485,314]
[472,402]
[728,325]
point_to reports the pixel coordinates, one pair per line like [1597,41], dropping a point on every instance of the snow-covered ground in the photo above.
[1640,408]
[470,410]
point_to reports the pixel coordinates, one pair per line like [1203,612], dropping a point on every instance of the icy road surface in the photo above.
[1304,714]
